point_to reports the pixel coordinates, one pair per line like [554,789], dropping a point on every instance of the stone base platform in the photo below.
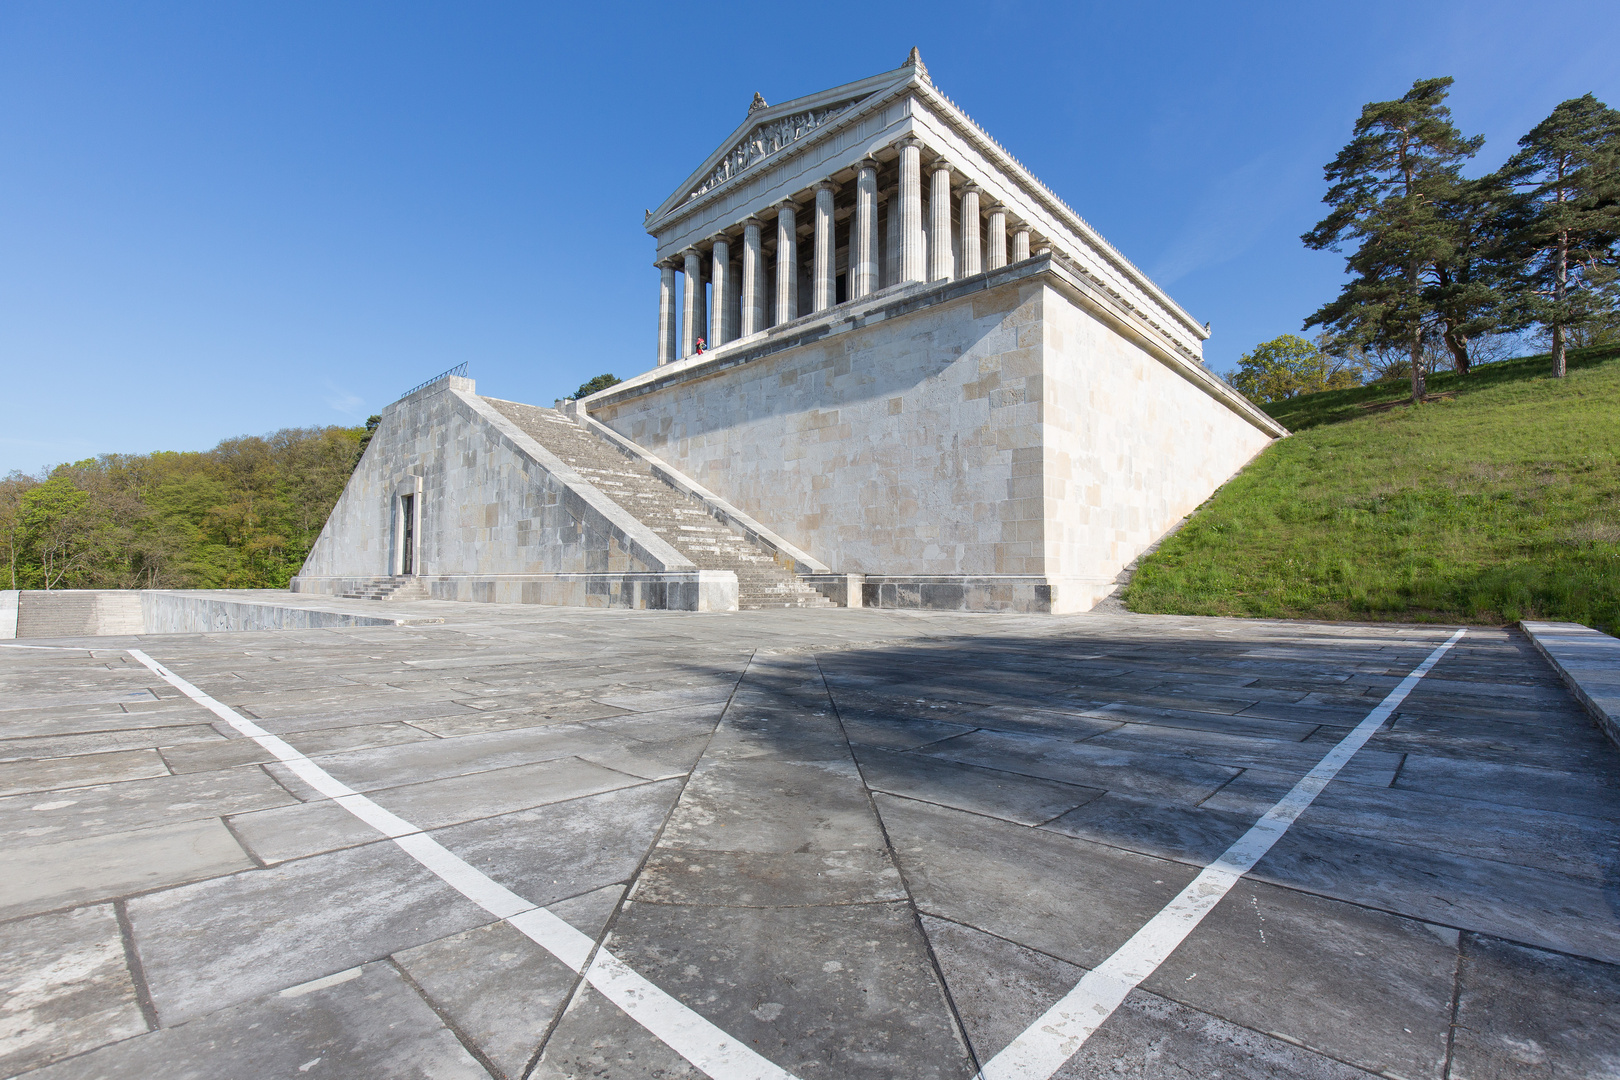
[1020,593]
[693,590]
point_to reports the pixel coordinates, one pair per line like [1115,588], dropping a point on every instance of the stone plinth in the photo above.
[1009,441]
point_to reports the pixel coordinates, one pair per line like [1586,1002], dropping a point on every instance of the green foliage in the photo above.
[1498,502]
[1286,367]
[243,515]
[1390,187]
[372,422]
[1569,165]
[601,382]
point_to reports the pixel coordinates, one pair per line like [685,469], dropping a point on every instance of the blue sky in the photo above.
[224,219]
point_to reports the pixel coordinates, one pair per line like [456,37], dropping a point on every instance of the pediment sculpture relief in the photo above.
[765,140]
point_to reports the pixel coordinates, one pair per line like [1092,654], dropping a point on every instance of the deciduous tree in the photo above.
[1287,366]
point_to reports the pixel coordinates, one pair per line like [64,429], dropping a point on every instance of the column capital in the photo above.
[997,208]
[669,262]
[691,253]
[719,238]
[754,220]
[828,185]
[908,142]
[786,204]
[869,162]
[970,188]
[939,163]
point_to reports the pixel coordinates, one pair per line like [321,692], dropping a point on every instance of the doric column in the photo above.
[970,230]
[863,233]
[692,302]
[996,257]
[753,279]
[666,312]
[719,278]
[911,231]
[1020,243]
[825,253]
[787,263]
[733,310]
[941,266]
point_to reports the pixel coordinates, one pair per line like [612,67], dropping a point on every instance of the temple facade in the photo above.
[890,363]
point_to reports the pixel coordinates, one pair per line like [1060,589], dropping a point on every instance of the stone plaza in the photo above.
[799,843]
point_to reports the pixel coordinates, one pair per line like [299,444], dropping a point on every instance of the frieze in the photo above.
[765,140]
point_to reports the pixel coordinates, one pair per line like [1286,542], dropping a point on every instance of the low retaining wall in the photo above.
[182,613]
[1588,661]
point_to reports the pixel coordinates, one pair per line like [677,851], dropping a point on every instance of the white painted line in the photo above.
[52,648]
[687,1033]
[1064,1028]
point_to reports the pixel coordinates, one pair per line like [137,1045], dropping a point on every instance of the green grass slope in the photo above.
[1498,502]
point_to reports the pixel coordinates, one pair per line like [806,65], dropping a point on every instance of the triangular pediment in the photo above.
[771,129]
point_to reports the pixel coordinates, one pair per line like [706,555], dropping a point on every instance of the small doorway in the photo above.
[407,560]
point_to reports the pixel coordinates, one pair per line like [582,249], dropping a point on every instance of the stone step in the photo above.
[686,526]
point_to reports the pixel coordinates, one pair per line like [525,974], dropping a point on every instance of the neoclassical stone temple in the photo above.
[926,382]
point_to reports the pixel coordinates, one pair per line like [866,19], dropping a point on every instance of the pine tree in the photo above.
[1471,289]
[1387,193]
[1569,169]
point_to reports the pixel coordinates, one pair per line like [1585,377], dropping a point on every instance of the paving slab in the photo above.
[1526,1012]
[1021,799]
[1072,899]
[136,804]
[233,938]
[67,988]
[564,849]
[83,771]
[847,990]
[368,1024]
[1000,988]
[40,877]
[594,1038]
[1361,986]
[1177,778]
[501,990]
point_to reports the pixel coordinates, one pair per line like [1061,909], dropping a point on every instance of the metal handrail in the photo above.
[459,370]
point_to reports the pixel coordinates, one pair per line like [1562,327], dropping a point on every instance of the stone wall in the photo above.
[500,519]
[1131,446]
[891,448]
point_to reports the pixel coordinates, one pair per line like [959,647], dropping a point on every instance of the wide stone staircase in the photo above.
[683,523]
[62,613]
[398,587]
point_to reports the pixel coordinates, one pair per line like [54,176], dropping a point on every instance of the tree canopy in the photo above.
[242,515]
[601,382]
[1390,186]
[1287,366]
[1568,167]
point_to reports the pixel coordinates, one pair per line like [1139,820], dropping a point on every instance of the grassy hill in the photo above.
[1500,501]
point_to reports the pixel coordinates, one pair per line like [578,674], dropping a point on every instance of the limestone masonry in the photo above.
[928,383]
